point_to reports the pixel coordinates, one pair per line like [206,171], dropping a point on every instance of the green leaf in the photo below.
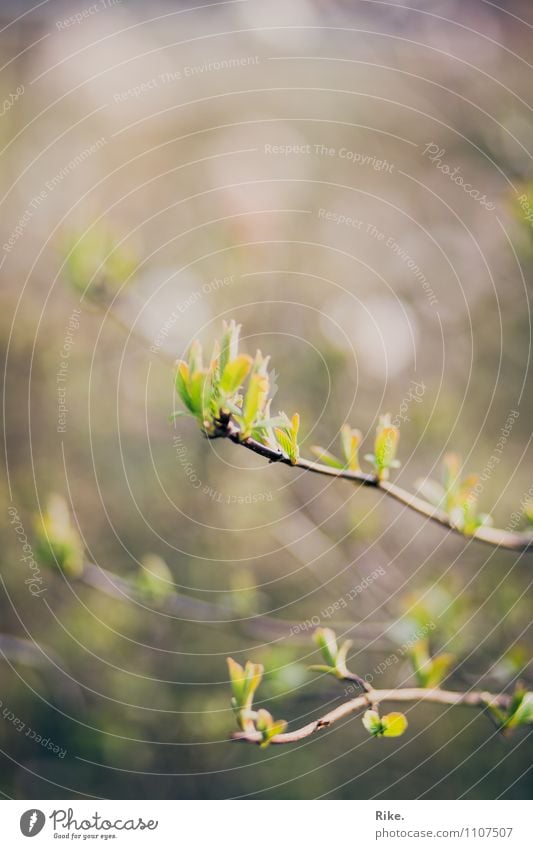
[385,445]
[351,440]
[268,727]
[237,678]
[244,683]
[420,660]
[451,469]
[390,725]
[524,712]
[120,265]
[154,579]
[182,384]
[326,640]
[439,668]
[197,393]
[254,401]
[520,711]
[58,540]
[342,653]
[93,259]
[394,724]
[372,722]
[278,727]
[230,344]
[324,456]
[253,673]
[235,374]
[287,437]
[429,671]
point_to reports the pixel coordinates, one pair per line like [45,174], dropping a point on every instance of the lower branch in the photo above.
[475,699]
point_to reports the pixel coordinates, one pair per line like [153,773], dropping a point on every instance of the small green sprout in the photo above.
[58,540]
[256,397]
[287,437]
[519,712]
[326,457]
[268,727]
[234,388]
[154,579]
[385,446]
[390,725]
[429,671]
[244,683]
[456,496]
[234,376]
[335,657]
[350,442]
[94,261]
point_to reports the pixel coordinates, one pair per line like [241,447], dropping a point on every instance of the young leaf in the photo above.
[439,668]
[287,437]
[244,683]
[268,727]
[393,724]
[341,668]
[230,344]
[326,641]
[234,374]
[372,722]
[334,656]
[154,579]
[390,725]
[94,259]
[236,674]
[419,656]
[451,470]
[197,387]
[254,402]
[520,711]
[351,440]
[58,540]
[324,456]
[182,384]
[524,712]
[385,445]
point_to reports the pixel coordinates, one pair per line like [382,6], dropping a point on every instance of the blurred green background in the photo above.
[220,147]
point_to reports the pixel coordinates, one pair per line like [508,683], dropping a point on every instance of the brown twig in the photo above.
[473,699]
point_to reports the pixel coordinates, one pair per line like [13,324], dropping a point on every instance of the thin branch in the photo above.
[497,537]
[491,536]
[473,699]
